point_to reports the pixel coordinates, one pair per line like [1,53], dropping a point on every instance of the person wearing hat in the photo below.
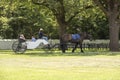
[42,35]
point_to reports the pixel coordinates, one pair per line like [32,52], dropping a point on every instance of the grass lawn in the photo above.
[39,65]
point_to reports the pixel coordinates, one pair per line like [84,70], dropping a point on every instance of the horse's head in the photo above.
[86,35]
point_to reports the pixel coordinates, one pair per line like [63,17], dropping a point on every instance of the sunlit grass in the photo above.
[41,65]
[84,73]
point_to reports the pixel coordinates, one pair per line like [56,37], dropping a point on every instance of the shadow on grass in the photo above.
[69,53]
[59,53]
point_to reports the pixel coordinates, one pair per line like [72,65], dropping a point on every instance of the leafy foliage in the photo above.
[22,16]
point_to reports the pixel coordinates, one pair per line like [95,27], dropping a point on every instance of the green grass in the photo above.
[40,65]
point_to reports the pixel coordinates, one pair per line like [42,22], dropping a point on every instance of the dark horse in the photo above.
[78,41]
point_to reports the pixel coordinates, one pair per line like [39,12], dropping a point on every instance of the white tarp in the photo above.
[33,45]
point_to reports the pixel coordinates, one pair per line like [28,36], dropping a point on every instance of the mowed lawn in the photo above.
[37,65]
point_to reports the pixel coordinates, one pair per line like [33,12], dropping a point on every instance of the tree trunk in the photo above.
[62,26]
[114,34]
[62,30]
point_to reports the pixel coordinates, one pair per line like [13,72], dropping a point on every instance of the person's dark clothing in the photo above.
[40,35]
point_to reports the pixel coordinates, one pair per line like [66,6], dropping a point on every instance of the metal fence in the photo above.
[6,44]
[99,46]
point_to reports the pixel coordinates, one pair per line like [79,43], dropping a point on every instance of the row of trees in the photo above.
[97,17]
[27,17]
[18,16]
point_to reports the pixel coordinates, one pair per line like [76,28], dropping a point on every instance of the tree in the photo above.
[63,10]
[21,16]
[111,9]
[18,16]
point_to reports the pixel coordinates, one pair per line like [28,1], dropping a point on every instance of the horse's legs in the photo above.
[63,47]
[75,47]
[81,47]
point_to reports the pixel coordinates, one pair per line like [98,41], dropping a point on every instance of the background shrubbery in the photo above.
[24,17]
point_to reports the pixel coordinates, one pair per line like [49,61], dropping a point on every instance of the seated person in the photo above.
[21,38]
[42,35]
[33,39]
